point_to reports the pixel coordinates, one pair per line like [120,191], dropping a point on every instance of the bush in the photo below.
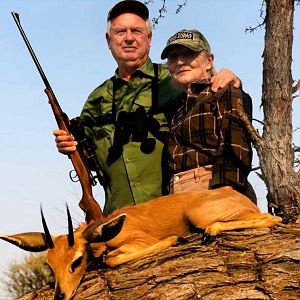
[29,274]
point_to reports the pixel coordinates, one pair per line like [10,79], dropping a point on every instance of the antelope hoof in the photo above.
[208,239]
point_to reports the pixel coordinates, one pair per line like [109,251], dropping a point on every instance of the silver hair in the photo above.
[148,26]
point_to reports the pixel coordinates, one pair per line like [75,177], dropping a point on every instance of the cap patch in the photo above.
[182,35]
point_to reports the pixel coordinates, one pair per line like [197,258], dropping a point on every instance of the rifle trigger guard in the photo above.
[73,177]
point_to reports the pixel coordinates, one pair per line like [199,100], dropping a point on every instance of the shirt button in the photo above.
[128,160]
[176,178]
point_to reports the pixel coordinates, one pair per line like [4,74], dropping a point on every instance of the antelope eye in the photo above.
[76,264]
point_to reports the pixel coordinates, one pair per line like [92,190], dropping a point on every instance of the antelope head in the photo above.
[69,255]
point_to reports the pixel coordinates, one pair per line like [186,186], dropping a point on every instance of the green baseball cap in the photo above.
[192,39]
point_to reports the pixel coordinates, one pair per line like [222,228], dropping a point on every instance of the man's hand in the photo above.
[65,143]
[223,78]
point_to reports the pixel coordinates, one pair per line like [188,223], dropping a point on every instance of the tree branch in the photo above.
[296,160]
[180,7]
[262,11]
[162,11]
[253,134]
[296,87]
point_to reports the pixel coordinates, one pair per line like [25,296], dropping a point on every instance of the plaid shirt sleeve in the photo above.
[233,162]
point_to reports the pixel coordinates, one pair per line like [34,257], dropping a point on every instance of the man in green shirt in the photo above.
[127,115]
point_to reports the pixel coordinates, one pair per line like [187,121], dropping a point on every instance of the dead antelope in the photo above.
[136,231]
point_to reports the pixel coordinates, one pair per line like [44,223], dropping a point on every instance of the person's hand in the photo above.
[65,142]
[223,78]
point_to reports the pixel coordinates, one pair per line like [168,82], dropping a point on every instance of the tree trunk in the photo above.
[276,153]
[248,264]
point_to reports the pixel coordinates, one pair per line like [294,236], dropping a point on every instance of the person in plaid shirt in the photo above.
[208,147]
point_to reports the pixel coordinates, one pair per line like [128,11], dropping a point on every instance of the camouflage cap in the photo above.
[129,6]
[192,39]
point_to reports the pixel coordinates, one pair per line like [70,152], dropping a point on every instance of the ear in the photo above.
[103,232]
[28,241]
[150,38]
[210,62]
[107,37]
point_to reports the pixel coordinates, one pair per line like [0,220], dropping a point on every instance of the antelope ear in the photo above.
[102,232]
[28,241]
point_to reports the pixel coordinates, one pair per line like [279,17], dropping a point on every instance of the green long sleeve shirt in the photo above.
[133,177]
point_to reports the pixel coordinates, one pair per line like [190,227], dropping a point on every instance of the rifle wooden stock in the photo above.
[87,203]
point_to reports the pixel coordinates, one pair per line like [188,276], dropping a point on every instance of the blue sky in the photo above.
[68,38]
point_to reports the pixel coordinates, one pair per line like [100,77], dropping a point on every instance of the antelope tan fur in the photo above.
[136,231]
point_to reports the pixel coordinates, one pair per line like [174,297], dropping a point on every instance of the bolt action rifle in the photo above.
[84,158]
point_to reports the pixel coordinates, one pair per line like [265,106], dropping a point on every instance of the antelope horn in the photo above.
[48,237]
[70,227]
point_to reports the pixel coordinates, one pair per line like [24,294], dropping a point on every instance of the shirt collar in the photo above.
[146,69]
[198,86]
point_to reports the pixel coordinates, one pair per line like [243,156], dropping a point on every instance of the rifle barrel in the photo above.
[35,60]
